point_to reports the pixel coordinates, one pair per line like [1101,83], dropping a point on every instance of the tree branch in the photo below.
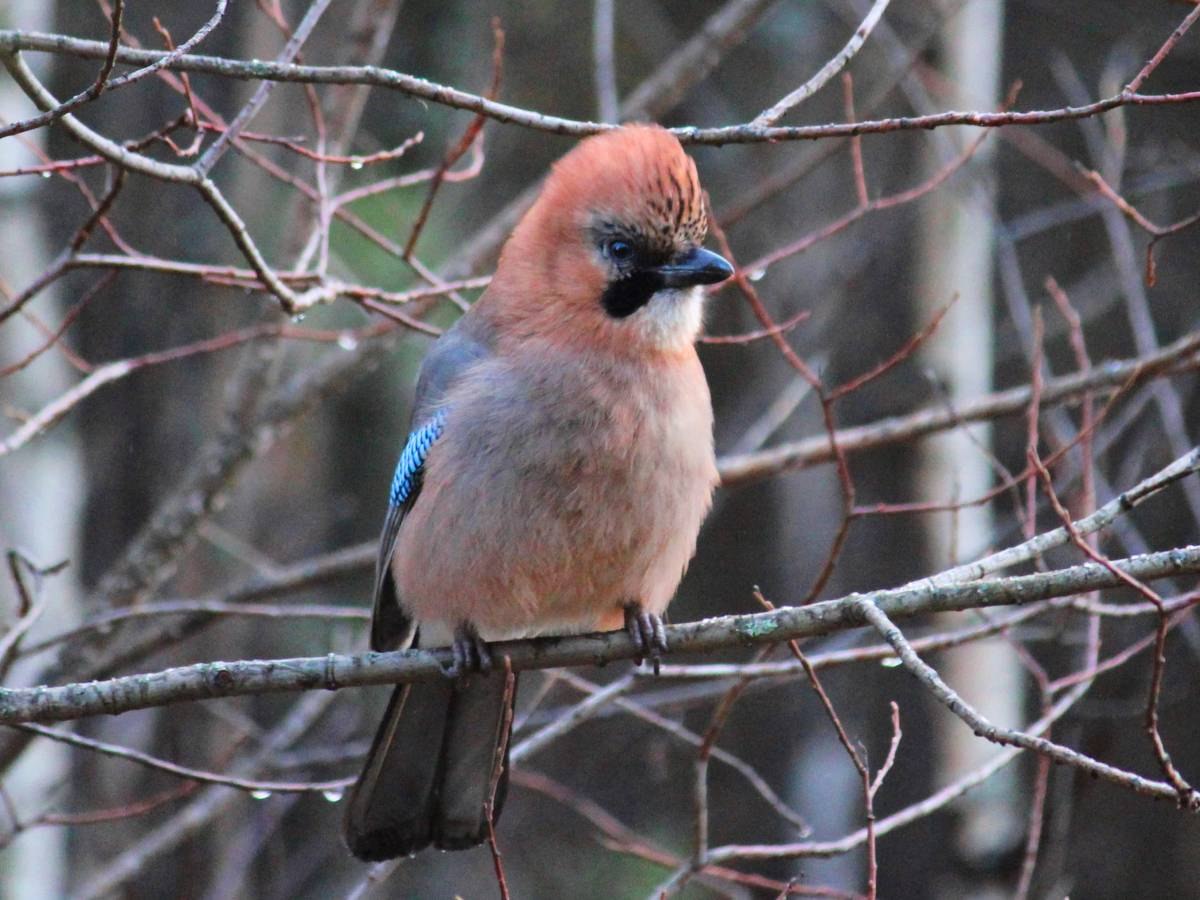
[929,678]
[826,72]
[204,681]
[750,132]
[1123,374]
[145,165]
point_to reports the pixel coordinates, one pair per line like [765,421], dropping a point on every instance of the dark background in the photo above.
[320,485]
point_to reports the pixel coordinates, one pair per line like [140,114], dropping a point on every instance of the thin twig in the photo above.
[90,93]
[986,729]
[217,148]
[191,774]
[498,764]
[472,133]
[826,73]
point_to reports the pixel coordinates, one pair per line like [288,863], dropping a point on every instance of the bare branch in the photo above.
[457,99]
[228,134]
[207,805]
[811,451]
[1101,518]
[912,813]
[85,96]
[188,772]
[145,165]
[982,727]
[334,672]
[827,72]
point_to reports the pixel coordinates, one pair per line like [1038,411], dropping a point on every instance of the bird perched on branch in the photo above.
[558,469]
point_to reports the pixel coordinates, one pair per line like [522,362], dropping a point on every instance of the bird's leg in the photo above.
[471,653]
[647,632]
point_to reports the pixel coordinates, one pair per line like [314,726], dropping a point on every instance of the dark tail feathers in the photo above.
[429,771]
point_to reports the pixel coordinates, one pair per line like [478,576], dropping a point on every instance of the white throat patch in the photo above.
[672,319]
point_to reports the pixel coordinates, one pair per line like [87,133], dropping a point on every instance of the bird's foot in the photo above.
[647,632]
[471,653]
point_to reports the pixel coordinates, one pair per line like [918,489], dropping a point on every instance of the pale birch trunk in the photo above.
[957,261]
[41,492]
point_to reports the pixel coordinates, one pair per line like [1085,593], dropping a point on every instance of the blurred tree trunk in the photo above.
[45,487]
[129,470]
[956,261]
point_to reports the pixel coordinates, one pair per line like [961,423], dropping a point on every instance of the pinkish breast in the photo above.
[559,491]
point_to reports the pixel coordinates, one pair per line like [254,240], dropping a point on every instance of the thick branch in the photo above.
[445,95]
[227,679]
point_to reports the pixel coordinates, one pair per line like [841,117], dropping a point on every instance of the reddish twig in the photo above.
[612,691]
[845,482]
[751,336]
[857,761]
[856,154]
[111,54]
[193,117]
[114,814]
[880,203]
[1032,430]
[1156,232]
[498,763]
[1033,836]
[620,838]
[68,320]
[870,785]
[905,352]
[1188,797]
[473,132]
[88,94]
[60,265]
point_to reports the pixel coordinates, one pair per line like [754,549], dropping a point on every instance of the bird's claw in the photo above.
[471,654]
[647,632]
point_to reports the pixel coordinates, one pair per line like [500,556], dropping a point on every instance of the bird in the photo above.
[557,471]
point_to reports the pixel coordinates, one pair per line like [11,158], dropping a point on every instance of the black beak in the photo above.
[697,266]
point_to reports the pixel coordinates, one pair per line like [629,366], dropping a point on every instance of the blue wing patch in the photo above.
[412,459]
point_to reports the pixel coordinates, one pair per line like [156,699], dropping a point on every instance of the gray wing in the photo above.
[455,352]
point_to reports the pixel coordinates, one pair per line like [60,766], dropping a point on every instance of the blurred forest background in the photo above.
[266,462]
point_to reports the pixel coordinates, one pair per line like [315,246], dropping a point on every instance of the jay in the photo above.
[558,469]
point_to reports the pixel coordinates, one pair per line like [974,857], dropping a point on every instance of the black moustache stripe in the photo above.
[627,295]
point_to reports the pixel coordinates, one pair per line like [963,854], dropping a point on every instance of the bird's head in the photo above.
[609,254]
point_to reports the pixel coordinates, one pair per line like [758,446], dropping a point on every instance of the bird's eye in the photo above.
[620,251]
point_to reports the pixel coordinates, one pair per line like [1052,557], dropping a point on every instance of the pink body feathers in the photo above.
[548,516]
